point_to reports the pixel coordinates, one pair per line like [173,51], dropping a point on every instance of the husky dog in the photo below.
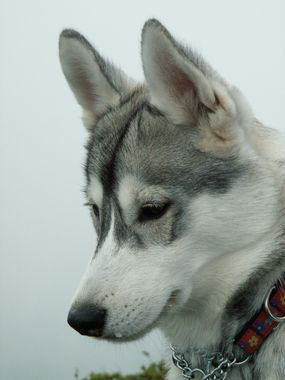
[186,189]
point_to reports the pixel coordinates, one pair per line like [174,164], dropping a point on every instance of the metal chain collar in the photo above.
[216,366]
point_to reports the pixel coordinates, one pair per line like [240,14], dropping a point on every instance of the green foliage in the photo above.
[155,371]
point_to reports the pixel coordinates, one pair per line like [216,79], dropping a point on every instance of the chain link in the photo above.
[217,366]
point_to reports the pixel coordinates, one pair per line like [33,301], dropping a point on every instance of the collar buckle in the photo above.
[267,307]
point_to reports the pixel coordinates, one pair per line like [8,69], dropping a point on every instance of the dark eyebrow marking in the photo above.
[108,171]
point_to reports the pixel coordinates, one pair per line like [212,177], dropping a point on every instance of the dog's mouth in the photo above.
[127,337]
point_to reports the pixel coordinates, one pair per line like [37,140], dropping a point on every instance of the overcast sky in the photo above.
[46,236]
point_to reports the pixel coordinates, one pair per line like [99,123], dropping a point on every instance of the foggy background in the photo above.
[46,235]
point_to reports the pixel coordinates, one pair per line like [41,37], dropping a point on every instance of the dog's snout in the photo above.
[87,320]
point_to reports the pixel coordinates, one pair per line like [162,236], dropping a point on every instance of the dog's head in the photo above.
[172,181]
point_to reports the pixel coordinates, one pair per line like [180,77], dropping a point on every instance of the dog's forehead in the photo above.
[136,141]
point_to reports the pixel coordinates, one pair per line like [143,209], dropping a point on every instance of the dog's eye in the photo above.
[151,211]
[95,209]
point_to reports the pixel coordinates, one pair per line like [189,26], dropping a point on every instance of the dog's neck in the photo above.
[226,294]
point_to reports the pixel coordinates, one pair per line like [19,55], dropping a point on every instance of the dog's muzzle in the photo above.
[87,320]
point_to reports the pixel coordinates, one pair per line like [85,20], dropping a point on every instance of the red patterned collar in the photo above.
[217,365]
[264,322]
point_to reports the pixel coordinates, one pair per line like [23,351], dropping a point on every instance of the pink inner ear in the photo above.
[182,84]
[184,90]
[180,87]
[178,82]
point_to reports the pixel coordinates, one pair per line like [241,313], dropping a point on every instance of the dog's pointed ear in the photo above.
[188,91]
[177,79]
[96,84]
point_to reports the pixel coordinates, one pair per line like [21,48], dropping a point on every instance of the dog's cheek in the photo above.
[133,318]
[137,301]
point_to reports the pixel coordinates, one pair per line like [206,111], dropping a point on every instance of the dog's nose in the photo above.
[87,320]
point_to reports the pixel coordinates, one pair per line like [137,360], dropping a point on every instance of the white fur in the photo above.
[95,191]
[128,190]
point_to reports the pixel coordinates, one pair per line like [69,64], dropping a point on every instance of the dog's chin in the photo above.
[168,308]
[115,338]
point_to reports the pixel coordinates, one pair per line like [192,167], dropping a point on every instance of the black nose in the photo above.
[87,319]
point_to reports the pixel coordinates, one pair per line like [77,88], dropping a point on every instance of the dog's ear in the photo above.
[178,86]
[96,84]
[183,86]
